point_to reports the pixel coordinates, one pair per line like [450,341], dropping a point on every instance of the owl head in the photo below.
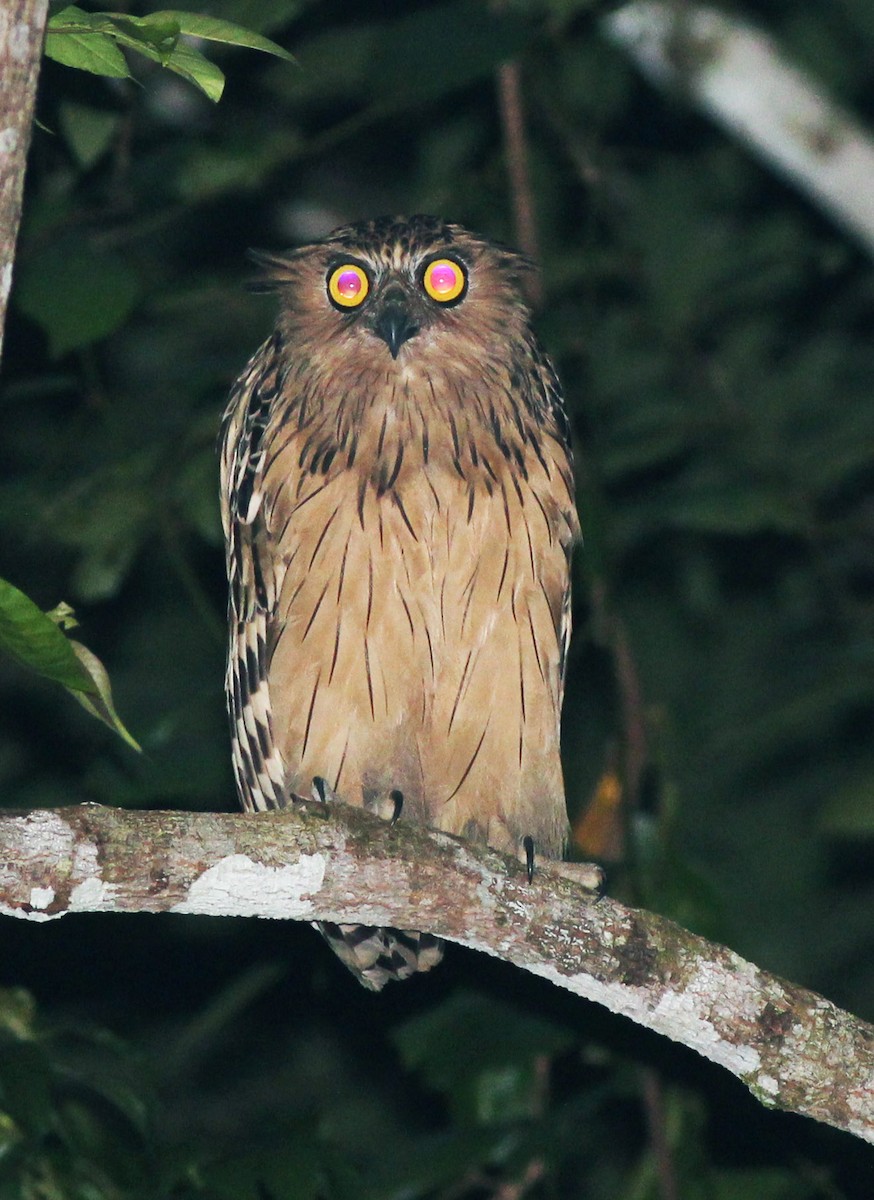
[400,291]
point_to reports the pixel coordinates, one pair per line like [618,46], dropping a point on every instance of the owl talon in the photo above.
[528,843]
[397,798]
[322,792]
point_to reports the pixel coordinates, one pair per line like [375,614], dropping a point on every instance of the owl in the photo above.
[398,507]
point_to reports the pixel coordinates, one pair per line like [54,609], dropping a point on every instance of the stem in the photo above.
[656,1116]
[512,114]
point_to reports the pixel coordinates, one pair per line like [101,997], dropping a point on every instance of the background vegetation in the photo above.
[713,334]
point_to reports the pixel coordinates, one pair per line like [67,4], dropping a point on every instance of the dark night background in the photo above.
[713,332]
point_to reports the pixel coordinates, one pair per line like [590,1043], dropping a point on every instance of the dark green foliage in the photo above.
[713,333]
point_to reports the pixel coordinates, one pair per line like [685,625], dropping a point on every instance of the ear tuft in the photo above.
[276,271]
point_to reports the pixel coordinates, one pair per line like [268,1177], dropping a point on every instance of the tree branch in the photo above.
[793,1049]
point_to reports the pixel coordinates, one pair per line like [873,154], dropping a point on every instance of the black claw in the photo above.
[528,843]
[397,799]
[320,787]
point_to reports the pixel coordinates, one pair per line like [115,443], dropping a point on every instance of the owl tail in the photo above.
[374,956]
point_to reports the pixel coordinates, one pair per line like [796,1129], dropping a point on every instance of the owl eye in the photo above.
[348,286]
[445,280]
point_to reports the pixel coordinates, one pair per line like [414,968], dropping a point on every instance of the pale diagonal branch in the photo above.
[793,1049]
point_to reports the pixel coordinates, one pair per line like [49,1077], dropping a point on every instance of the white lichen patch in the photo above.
[712,998]
[91,895]
[768,1084]
[41,897]
[8,141]
[239,887]
[38,838]
[682,1016]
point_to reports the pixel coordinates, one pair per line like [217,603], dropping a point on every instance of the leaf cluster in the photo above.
[95,41]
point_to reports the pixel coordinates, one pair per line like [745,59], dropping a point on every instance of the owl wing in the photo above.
[552,399]
[252,579]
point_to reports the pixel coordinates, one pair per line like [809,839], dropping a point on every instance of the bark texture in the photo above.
[21,33]
[793,1049]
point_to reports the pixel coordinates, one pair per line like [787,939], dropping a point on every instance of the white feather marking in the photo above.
[275,768]
[266,785]
[251,512]
[244,733]
[259,702]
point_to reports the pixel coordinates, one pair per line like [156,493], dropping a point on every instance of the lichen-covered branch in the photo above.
[792,1048]
[21,33]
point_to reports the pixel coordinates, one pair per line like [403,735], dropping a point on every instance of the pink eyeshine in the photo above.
[349,284]
[444,278]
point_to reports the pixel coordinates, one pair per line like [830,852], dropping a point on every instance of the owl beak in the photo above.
[395,325]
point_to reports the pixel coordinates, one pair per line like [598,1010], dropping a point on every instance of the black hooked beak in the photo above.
[394,324]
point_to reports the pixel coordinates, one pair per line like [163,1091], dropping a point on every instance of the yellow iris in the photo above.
[444,280]
[348,285]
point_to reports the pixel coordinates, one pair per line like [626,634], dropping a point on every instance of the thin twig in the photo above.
[509,84]
[656,1119]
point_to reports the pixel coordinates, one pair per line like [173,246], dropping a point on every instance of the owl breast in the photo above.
[420,550]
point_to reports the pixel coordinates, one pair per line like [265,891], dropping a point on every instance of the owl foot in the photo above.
[385,805]
[587,875]
[528,843]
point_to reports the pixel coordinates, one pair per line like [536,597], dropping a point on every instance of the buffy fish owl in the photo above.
[398,504]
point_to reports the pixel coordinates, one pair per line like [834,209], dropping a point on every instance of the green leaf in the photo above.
[209,171]
[259,14]
[77,294]
[88,51]
[80,39]
[155,39]
[404,56]
[287,1165]
[63,616]
[88,131]
[34,639]
[25,1085]
[482,1054]
[17,1014]
[191,65]
[765,1183]
[10,1135]
[393,62]
[31,637]
[99,701]
[212,29]
[91,42]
